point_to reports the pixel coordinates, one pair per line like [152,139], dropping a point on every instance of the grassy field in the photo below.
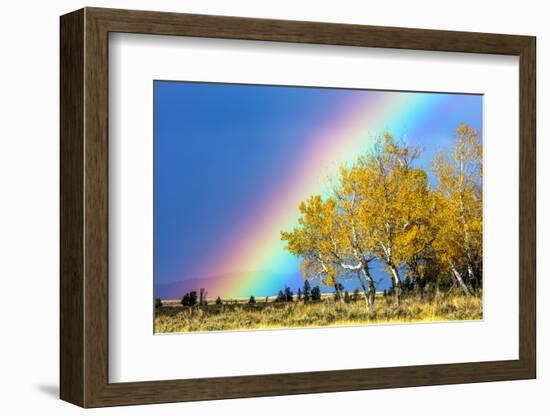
[172,317]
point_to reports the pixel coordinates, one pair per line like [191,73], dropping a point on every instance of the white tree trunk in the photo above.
[396,283]
[364,288]
[459,280]
[370,282]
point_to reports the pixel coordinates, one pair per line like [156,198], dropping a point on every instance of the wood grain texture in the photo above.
[71,208]
[96,208]
[527,208]
[84,207]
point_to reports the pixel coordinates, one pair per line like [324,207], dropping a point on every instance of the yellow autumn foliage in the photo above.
[385,207]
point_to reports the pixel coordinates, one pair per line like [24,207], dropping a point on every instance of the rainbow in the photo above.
[258,247]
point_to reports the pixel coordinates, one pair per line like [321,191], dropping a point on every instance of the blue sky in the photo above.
[221,148]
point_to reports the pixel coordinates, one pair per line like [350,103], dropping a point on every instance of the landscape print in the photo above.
[294,207]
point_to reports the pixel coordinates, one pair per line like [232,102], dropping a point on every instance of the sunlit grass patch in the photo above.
[442,307]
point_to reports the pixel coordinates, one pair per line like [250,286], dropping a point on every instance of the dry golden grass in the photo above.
[442,307]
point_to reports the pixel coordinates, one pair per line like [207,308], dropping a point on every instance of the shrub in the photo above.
[158,303]
[185,300]
[347,297]
[189,299]
[251,301]
[218,301]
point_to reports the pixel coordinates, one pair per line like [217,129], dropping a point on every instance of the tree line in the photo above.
[306,294]
[384,207]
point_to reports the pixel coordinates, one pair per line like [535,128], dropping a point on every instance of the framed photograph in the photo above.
[255,207]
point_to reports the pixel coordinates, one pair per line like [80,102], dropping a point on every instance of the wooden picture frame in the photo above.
[84,207]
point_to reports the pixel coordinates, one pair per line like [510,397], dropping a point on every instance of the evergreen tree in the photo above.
[185,300]
[192,298]
[306,292]
[288,294]
[189,299]
[316,293]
